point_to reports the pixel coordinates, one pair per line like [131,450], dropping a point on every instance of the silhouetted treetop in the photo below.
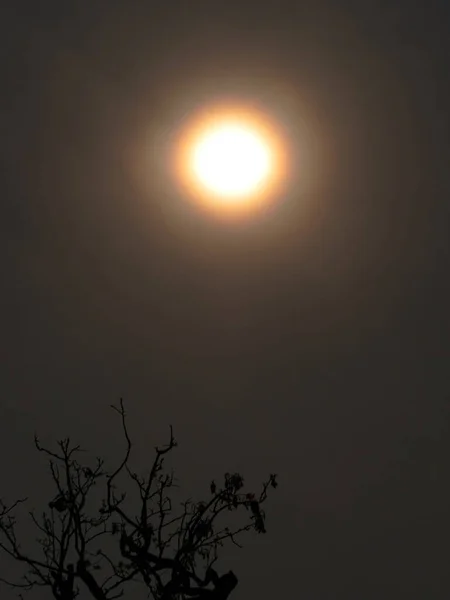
[95,535]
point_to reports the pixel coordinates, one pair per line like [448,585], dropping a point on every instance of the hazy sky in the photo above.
[312,341]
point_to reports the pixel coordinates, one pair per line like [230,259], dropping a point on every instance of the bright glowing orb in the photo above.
[230,159]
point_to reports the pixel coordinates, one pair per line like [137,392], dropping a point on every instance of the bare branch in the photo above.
[166,546]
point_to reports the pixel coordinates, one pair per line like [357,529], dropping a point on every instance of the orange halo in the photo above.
[250,119]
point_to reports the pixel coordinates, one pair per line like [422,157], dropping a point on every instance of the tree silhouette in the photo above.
[94,536]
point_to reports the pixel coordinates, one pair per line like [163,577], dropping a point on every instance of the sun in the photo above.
[230,159]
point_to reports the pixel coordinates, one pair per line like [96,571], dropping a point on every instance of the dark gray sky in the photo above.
[312,341]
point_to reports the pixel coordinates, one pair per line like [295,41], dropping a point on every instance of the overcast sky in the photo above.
[312,340]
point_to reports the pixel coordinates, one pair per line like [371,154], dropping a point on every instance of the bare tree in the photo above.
[92,535]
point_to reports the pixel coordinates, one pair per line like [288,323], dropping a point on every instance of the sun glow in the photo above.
[230,160]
